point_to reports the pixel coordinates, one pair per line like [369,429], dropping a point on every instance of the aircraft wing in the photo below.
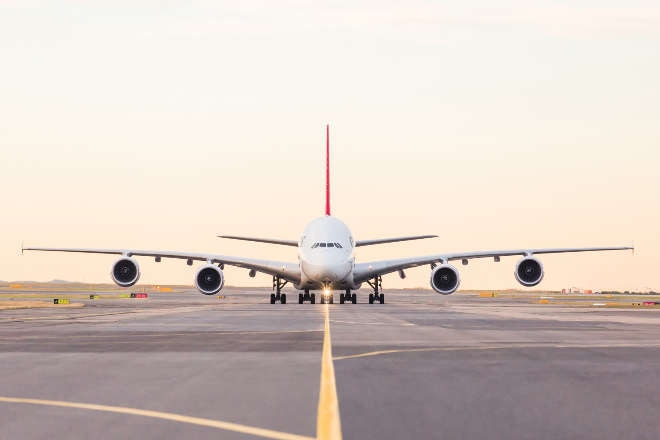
[261,240]
[358,243]
[366,271]
[390,240]
[287,271]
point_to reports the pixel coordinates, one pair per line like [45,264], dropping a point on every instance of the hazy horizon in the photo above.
[149,125]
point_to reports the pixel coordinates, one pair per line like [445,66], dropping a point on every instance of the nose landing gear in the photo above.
[327,297]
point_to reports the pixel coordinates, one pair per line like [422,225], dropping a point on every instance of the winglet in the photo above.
[327,169]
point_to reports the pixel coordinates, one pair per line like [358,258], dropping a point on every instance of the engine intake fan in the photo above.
[529,271]
[209,279]
[125,272]
[445,279]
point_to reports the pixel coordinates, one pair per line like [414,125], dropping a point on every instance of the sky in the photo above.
[159,125]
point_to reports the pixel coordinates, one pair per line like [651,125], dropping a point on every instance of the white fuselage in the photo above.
[325,253]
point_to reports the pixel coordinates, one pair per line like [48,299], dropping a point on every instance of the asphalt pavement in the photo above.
[184,365]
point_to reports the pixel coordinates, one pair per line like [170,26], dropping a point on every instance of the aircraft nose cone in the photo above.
[323,271]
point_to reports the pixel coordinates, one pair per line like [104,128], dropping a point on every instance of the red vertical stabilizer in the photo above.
[327,169]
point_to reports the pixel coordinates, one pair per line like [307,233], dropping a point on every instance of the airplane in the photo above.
[326,262]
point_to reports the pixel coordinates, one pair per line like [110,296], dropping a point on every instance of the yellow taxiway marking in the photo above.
[328,423]
[259,432]
[404,350]
[492,347]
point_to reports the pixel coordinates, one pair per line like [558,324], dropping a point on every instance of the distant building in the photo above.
[576,290]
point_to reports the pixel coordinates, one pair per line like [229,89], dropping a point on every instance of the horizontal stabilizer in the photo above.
[391,240]
[261,240]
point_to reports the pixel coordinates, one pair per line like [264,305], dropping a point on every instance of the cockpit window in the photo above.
[327,245]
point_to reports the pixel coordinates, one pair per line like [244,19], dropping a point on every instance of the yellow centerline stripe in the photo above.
[328,423]
[259,432]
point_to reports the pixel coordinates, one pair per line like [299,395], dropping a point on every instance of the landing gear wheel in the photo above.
[354,298]
[313,298]
[283,299]
[331,299]
[301,298]
[382,298]
[341,298]
[371,298]
[347,297]
[272,298]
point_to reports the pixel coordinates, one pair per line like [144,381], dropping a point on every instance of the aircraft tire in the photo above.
[382,298]
[313,298]
[354,298]
[371,298]
[283,298]
[341,298]
[300,298]
[272,298]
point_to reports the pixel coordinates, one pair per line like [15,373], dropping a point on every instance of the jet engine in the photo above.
[125,272]
[209,279]
[529,271]
[445,279]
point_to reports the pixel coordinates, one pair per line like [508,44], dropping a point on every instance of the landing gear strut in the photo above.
[278,283]
[347,297]
[377,285]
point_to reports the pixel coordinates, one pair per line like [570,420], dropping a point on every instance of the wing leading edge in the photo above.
[359,243]
[261,240]
[285,270]
[366,271]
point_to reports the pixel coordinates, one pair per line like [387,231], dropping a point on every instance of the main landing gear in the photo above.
[277,287]
[377,285]
[347,297]
[306,297]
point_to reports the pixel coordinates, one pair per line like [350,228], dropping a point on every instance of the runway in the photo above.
[183,365]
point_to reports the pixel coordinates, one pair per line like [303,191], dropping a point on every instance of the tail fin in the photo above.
[327,169]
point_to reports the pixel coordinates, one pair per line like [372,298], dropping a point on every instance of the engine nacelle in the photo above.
[209,279]
[125,272]
[445,279]
[529,271]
